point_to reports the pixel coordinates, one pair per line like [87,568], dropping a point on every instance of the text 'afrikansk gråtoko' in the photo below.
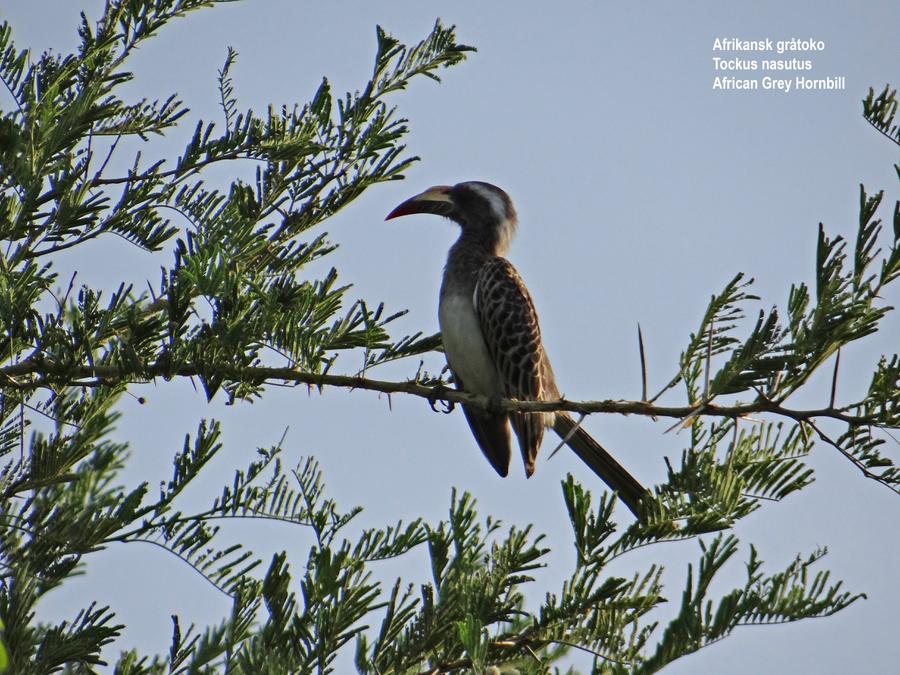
[768,45]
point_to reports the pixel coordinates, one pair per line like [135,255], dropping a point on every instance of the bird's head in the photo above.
[483,211]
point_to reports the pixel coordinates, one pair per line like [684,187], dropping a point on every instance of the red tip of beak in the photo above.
[405,209]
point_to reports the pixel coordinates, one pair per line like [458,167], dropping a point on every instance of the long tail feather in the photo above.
[630,491]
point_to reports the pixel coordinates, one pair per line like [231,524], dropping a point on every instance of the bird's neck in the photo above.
[489,241]
[468,255]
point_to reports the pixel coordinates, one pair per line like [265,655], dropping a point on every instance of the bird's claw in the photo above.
[446,407]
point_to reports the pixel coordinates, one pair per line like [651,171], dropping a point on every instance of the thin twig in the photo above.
[190,564]
[887,133]
[600,655]
[180,173]
[31,255]
[859,465]
[109,154]
[181,212]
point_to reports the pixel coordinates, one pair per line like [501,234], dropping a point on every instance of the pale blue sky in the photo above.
[640,192]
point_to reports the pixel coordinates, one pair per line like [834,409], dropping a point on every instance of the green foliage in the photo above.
[237,300]
[779,356]
[242,247]
[788,595]
[879,111]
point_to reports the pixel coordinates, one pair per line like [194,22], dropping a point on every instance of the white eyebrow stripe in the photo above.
[498,206]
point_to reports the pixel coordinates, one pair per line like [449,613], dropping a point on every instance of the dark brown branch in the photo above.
[29,375]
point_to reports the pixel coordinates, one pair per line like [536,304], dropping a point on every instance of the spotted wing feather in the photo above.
[510,327]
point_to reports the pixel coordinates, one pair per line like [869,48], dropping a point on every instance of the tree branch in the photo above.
[29,375]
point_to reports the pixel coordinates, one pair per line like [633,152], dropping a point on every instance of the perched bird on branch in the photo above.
[492,339]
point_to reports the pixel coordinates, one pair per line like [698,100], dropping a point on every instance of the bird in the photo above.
[492,338]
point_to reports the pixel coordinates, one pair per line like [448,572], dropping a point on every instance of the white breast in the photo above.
[464,346]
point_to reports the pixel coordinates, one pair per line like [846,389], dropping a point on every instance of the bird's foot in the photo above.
[435,397]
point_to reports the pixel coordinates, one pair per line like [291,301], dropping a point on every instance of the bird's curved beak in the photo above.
[434,200]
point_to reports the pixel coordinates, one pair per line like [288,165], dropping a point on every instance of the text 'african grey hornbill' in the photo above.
[491,335]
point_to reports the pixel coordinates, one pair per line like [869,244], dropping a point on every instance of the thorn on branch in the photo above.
[643,364]
[568,436]
[834,378]
[777,381]
[804,432]
[761,395]
[712,324]
[688,419]
[734,443]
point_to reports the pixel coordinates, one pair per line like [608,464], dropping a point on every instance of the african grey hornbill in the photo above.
[491,335]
